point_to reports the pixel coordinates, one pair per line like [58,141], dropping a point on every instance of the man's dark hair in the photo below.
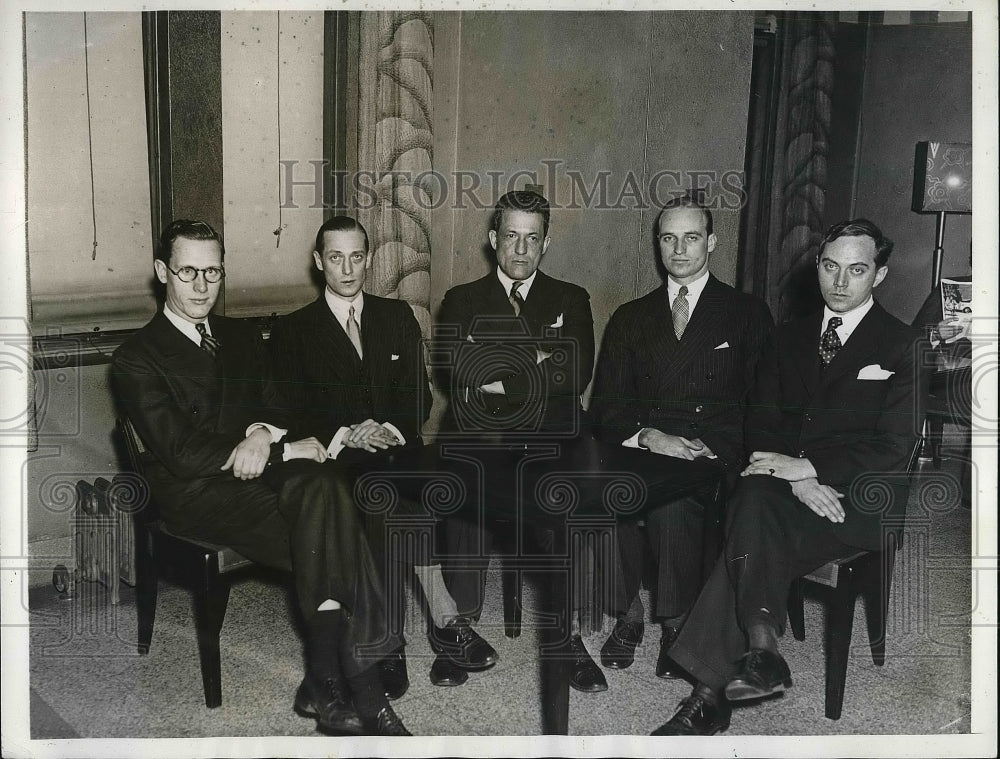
[687,201]
[340,224]
[521,200]
[189,230]
[860,228]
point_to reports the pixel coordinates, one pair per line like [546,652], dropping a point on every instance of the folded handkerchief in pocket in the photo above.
[874,372]
[394,357]
[720,347]
[557,323]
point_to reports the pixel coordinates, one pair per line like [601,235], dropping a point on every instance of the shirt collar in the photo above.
[507,282]
[694,288]
[341,308]
[186,328]
[851,319]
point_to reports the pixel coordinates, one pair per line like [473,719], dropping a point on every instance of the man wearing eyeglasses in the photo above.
[197,389]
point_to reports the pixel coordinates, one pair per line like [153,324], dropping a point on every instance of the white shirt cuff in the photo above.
[276,432]
[337,444]
[392,428]
[633,442]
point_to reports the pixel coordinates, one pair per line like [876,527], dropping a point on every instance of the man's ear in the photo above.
[161,270]
[493,238]
[880,275]
[545,244]
[711,242]
[368,260]
[318,260]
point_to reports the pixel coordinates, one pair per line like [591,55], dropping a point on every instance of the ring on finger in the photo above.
[771,471]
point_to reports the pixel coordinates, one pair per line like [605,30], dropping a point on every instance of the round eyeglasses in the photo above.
[212,274]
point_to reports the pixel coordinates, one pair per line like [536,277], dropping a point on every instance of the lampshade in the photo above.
[942,177]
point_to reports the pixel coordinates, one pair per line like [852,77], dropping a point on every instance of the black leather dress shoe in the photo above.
[330,705]
[386,723]
[460,643]
[392,670]
[619,650]
[446,674]
[586,675]
[697,717]
[665,666]
[761,674]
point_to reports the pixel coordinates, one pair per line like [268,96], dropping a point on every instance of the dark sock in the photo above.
[763,635]
[675,622]
[369,695]
[324,632]
[709,696]
[636,611]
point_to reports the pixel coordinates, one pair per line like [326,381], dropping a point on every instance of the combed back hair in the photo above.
[521,200]
[860,228]
[688,201]
[189,230]
[340,224]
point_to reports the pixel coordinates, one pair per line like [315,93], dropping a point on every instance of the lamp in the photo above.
[942,184]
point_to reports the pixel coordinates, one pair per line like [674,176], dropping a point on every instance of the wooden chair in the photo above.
[205,567]
[865,573]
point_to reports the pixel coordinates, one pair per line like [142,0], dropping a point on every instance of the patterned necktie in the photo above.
[208,343]
[516,301]
[830,343]
[681,311]
[354,333]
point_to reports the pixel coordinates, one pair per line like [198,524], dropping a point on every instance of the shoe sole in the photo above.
[324,727]
[465,666]
[740,691]
[596,689]
[397,696]
[617,663]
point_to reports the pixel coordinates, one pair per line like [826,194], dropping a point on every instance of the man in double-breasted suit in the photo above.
[198,391]
[521,351]
[674,371]
[350,370]
[831,423]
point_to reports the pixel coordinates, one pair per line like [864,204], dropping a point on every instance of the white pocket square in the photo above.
[874,372]
[394,357]
[557,323]
[720,347]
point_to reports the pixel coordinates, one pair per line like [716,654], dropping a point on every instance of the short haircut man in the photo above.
[198,391]
[832,407]
[522,353]
[672,378]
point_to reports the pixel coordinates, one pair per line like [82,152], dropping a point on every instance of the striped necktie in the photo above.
[516,301]
[208,343]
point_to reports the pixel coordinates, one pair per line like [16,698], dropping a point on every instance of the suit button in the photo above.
[710,376]
[693,426]
[809,417]
[802,454]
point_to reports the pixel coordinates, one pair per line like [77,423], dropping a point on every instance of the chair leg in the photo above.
[875,586]
[936,433]
[839,626]
[796,609]
[146,588]
[511,601]
[210,611]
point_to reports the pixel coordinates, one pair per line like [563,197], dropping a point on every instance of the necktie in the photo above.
[516,301]
[681,311]
[354,333]
[830,343]
[208,343]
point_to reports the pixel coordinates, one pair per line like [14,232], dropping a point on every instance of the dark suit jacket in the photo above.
[191,410]
[646,377]
[325,386]
[858,433]
[484,342]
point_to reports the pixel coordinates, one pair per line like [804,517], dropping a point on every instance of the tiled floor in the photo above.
[86,680]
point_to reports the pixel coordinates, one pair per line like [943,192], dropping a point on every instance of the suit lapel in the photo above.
[180,355]
[334,349]
[805,350]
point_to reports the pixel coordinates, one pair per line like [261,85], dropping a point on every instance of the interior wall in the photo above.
[75,287]
[933,101]
[532,92]
[261,275]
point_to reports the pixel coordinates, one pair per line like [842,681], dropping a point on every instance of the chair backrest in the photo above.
[133,443]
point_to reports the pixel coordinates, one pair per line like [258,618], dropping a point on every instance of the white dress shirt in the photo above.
[851,319]
[508,283]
